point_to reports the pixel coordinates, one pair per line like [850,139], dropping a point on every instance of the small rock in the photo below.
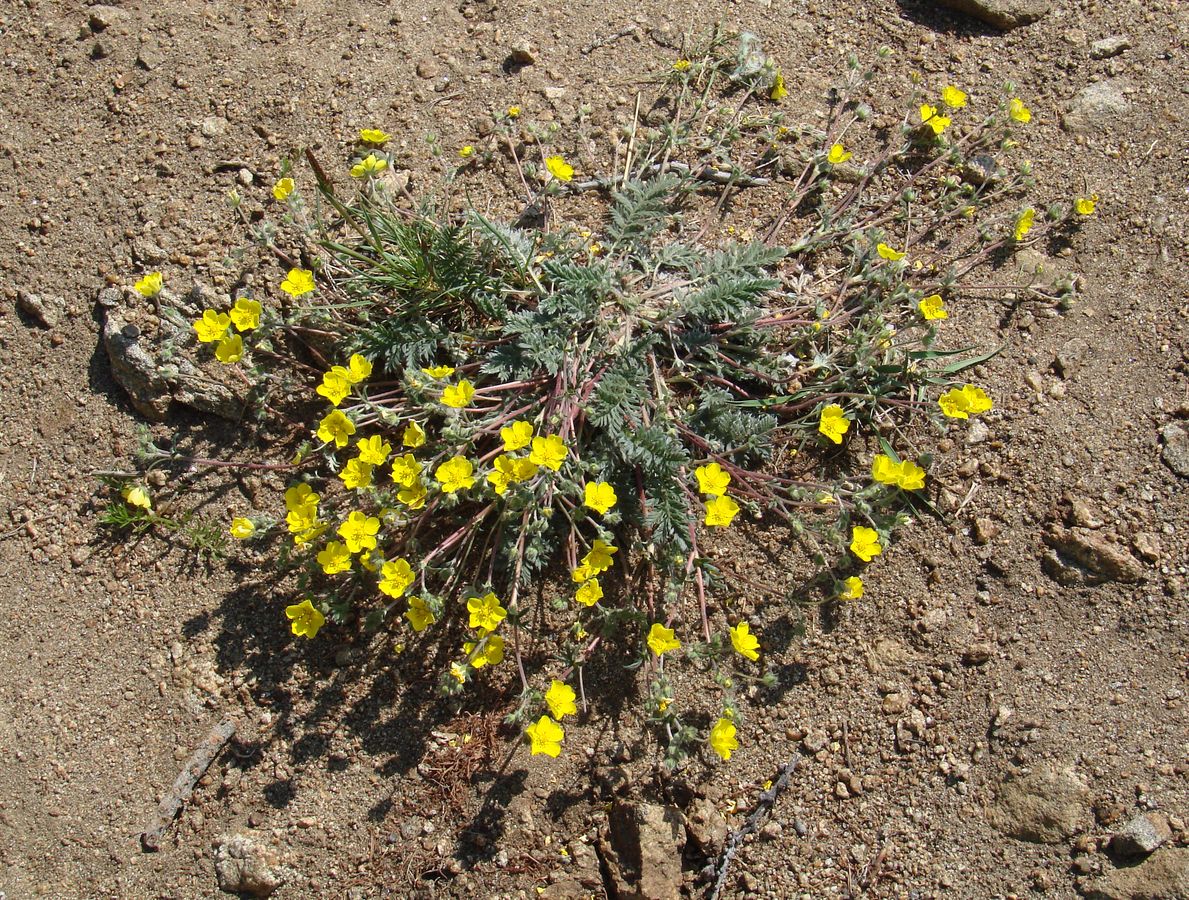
[706,826]
[1176,448]
[1071,353]
[100,18]
[978,432]
[771,831]
[150,55]
[643,854]
[1046,806]
[1099,558]
[1147,545]
[815,741]
[1003,14]
[213,126]
[554,92]
[428,68]
[1142,835]
[244,866]
[1110,46]
[911,730]
[522,53]
[800,826]
[985,530]
[978,654]
[895,704]
[43,313]
[1099,107]
[1162,876]
[1083,514]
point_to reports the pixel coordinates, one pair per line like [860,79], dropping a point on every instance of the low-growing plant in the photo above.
[586,411]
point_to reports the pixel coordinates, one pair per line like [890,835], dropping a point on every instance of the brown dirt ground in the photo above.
[115,661]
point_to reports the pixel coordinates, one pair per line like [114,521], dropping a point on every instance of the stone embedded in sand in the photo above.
[1003,14]
[1045,806]
[644,851]
[1161,876]
[1142,835]
[244,866]
[1097,108]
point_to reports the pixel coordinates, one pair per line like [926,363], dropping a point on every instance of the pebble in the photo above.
[1142,834]
[1176,448]
[1107,47]
[815,741]
[523,52]
[428,68]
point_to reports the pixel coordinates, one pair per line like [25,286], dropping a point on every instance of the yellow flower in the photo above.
[458,673]
[414,436]
[833,423]
[720,511]
[525,469]
[599,558]
[486,612]
[503,474]
[305,620]
[395,577]
[548,451]
[852,588]
[661,639]
[1024,223]
[889,253]
[335,385]
[744,642]
[439,371]
[245,314]
[298,282]
[230,349]
[374,136]
[334,558]
[513,112]
[681,65]
[722,738]
[599,496]
[212,326]
[356,474]
[590,593]
[492,652]
[300,496]
[336,427]
[405,470]
[517,436]
[283,188]
[1018,111]
[374,450]
[838,154]
[150,285]
[904,474]
[560,698]
[779,91]
[412,497]
[545,736]
[359,368]
[933,307]
[582,573]
[419,614]
[559,168]
[712,479]
[1085,205]
[359,531]
[457,396]
[953,97]
[455,474]
[137,496]
[241,528]
[864,543]
[467,152]
[961,403]
[930,117]
[663,704]
[370,166]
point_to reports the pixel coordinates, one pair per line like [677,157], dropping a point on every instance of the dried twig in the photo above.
[183,786]
[609,39]
[763,807]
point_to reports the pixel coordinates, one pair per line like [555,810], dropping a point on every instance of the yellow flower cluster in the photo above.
[905,475]
[964,402]
[712,482]
[215,327]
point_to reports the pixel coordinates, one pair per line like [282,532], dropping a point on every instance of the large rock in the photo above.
[1162,876]
[134,368]
[1045,806]
[1144,833]
[1176,448]
[1097,107]
[1004,14]
[244,866]
[1097,557]
[644,851]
